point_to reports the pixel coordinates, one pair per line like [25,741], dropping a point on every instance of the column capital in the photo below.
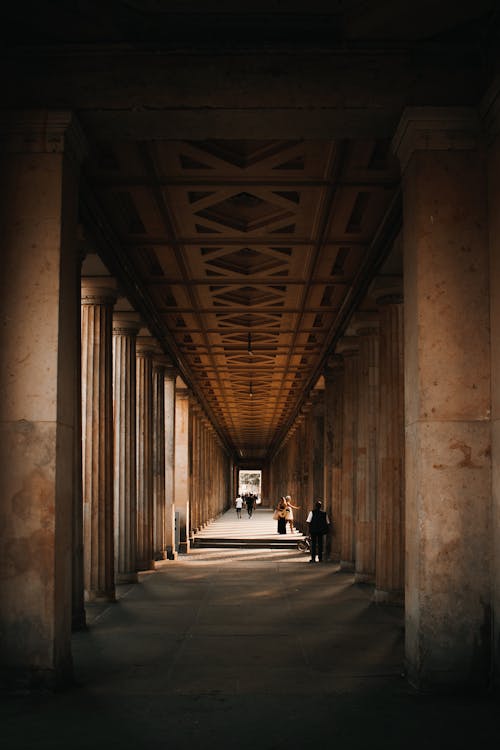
[348,346]
[146,346]
[333,366]
[170,371]
[42,131]
[435,129]
[365,324]
[97,293]
[392,298]
[125,324]
[162,362]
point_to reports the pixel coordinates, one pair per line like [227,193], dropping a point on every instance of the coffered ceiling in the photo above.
[251,253]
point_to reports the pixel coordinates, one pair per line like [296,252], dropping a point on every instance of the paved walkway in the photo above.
[243,650]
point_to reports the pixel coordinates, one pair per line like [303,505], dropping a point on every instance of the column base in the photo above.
[78,621]
[364,578]
[25,680]
[184,547]
[389,598]
[346,566]
[161,555]
[99,597]
[171,555]
[145,565]
[123,578]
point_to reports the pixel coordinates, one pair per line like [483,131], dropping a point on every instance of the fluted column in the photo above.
[144,431]
[366,462]
[334,389]
[350,356]
[97,439]
[318,452]
[169,399]
[78,614]
[159,459]
[389,577]
[182,485]
[124,415]
[195,465]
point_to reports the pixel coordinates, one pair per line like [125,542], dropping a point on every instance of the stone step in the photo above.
[249,543]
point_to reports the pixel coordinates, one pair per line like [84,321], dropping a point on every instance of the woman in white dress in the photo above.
[289,511]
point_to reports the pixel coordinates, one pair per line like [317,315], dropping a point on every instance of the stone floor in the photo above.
[244,649]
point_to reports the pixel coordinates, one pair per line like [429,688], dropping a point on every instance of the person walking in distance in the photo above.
[318,526]
[250,500]
[239,506]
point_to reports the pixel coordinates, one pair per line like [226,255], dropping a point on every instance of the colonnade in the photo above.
[108,463]
[411,400]
[90,497]
[148,451]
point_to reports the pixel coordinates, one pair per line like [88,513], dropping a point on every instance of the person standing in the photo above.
[250,499]
[318,526]
[289,511]
[280,516]
[239,506]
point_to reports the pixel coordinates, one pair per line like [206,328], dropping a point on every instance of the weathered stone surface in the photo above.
[447,411]
[38,304]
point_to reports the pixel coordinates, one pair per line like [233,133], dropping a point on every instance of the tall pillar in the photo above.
[159,459]
[97,441]
[318,452]
[447,398]
[124,415]
[389,577]
[334,390]
[169,400]
[182,465]
[493,122]
[144,432]
[366,460]
[78,617]
[40,153]
[350,356]
[195,428]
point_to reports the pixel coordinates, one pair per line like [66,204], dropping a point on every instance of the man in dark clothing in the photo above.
[318,526]
[250,499]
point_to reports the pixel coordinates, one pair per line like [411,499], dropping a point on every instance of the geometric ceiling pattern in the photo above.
[249,250]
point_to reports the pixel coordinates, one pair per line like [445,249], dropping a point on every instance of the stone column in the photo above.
[144,431]
[334,389]
[318,452]
[160,552]
[194,416]
[182,464]
[447,395]
[40,153]
[492,107]
[125,331]
[97,439]
[366,460]
[350,355]
[389,576]
[78,617]
[169,399]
